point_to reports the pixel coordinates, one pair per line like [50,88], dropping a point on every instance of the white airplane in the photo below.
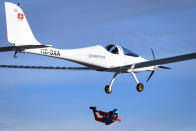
[113,58]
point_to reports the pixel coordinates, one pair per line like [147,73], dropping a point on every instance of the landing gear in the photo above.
[108,88]
[140,87]
[15,54]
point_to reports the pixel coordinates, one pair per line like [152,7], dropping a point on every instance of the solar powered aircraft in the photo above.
[112,58]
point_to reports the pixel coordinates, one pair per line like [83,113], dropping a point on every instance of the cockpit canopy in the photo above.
[115,49]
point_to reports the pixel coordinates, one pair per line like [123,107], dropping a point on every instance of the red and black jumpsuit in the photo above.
[106,117]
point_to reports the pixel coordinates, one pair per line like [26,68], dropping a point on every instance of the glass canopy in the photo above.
[114,49]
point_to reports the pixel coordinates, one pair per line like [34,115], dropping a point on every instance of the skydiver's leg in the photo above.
[102,113]
[97,116]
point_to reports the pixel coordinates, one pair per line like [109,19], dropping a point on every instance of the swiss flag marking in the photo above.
[20,16]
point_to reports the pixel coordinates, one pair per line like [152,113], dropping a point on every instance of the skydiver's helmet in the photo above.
[115,111]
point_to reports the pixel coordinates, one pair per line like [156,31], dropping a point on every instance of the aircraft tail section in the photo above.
[18,30]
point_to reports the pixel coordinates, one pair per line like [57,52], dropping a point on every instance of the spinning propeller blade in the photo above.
[163,67]
[153,53]
[150,75]
[154,66]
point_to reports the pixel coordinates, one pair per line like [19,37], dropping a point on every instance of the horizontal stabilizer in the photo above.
[45,67]
[22,47]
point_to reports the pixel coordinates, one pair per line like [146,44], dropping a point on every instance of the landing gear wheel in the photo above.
[107,90]
[140,87]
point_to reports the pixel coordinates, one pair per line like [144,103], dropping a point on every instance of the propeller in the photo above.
[155,67]
[150,75]
[164,67]
[153,54]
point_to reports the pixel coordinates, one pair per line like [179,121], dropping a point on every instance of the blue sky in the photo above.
[45,100]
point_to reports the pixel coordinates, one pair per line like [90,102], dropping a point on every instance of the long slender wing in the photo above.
[166,60]
[45,67]
[19,48]
[158,62]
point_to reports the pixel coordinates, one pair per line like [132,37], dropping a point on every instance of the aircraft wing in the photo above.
[158,62]
[19,48]
[45,67]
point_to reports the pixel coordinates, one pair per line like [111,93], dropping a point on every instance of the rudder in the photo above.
[18,29]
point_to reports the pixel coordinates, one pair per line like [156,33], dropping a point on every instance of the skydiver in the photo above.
[106,117]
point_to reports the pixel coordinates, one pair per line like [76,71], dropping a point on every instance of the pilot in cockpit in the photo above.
[115,51]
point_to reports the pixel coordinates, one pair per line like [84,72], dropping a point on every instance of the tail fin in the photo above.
[18,31]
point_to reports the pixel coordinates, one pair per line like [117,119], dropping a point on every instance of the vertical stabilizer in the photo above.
[18,30]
